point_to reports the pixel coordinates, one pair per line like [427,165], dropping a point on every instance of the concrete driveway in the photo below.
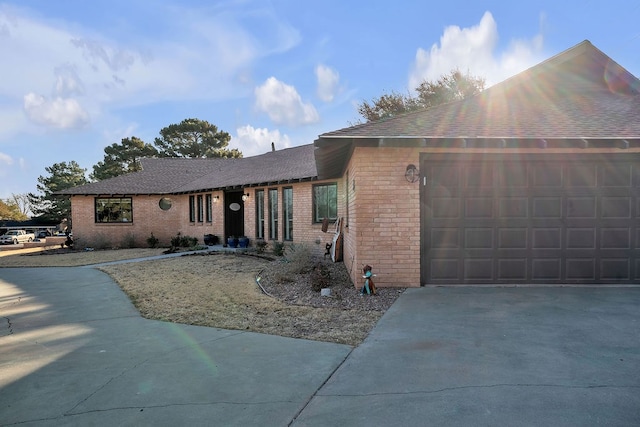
[74,351]
[492,357]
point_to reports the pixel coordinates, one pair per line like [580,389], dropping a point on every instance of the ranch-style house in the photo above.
[536,180]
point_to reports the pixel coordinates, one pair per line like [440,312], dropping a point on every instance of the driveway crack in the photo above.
[9,326]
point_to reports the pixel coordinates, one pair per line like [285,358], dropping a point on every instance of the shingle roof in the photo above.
[578,94]
[183,175]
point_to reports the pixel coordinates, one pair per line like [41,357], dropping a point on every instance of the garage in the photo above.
[530,218]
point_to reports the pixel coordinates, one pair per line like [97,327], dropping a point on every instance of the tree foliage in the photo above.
[450,87]
[62,175]
[194,138]
[11,210]
[122,158]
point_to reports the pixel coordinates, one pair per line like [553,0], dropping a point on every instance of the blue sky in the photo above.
[77,76]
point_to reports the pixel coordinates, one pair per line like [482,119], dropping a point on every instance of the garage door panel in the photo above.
[445,207]
[512,269]
[581,269]
[536,219]
[444,180]
[546,269]
[479,176]
[478,269]
[445,238]
[581,238]
[616,207]
[582,176]
[615,269]
[513,238]
[478,238]
[445,269]
[581,207]
[547,207]
[616,175]
[547,175]
[615,238]
[513,207]
[546,238]
[478,207]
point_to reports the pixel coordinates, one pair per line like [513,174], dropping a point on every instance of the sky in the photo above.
[78,76]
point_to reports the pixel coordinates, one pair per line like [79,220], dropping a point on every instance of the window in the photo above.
[165,203]
[113,209]
[325,202]
[192,208]
[200,209]
[209,207]
[287,213]
[273,214]
[260,214]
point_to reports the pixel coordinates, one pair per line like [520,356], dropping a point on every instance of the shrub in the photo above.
[188,241]
[299,258]
[180,241]
[152,241]
[100,241]
[320,277]
[261,245]
[278,248]
[297,261]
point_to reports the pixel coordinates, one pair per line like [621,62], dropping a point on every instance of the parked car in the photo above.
[43,234]
[13,237]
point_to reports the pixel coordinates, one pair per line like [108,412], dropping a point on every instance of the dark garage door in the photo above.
[530,219]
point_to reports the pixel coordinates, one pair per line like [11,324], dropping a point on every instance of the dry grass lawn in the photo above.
[218,290]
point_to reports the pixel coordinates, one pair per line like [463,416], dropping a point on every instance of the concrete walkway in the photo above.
[74,351]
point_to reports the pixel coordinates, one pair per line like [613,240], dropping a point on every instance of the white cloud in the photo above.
[472,49]
[6,159]
[67,83]
[63,113]
[328,80]
[200,53]
[283,104]
[253,141]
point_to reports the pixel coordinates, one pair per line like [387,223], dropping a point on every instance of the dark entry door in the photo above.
[233,214]
[530,219]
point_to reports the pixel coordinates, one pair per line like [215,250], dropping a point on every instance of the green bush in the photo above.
[261,245]
[175,241]
[278,248]
[180,241]
[188,241]
[152,241]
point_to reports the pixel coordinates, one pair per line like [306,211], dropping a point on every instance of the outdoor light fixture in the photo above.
[412,174]
[215,199]
[245,197]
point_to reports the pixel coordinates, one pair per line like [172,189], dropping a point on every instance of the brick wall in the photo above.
[147,218]
[304,229]
[384,217]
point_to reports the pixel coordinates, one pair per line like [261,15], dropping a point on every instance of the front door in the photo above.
[233,214]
